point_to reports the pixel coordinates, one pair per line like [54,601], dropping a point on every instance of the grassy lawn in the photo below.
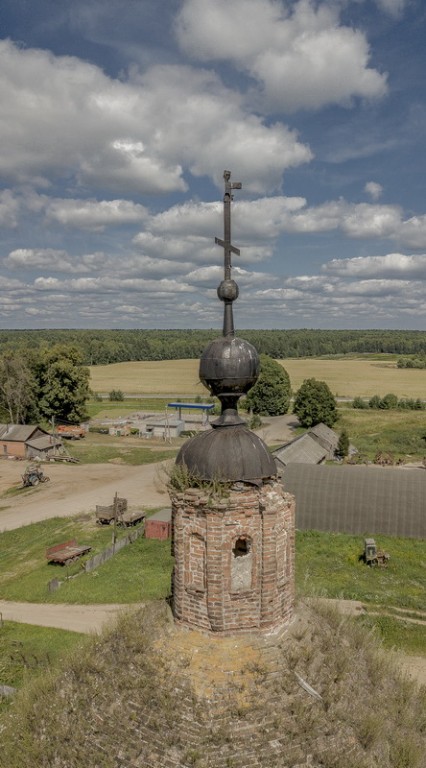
[327,564]
[397,634]
[24,570]
[99,449]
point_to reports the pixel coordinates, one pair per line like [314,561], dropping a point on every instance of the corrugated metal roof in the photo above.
[19,433]
[359,500]
[303,450]
[327,437]
[44,442]
[164,515]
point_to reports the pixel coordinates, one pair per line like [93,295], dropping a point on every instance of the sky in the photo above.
[119,117]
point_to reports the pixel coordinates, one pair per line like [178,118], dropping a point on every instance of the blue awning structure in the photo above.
[205,407]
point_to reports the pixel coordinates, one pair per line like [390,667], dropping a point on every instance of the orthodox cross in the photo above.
[228,289]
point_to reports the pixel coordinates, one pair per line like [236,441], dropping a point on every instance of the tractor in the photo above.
[373,556]
[33,475]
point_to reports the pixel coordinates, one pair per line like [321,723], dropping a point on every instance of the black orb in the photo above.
[229,365]
[228,290]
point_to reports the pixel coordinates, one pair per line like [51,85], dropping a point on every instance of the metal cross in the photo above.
[228,289]
[226,242]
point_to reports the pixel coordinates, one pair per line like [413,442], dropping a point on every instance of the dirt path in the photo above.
[75,618]
[78,488]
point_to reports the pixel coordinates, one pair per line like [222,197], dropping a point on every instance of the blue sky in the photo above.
[118,118]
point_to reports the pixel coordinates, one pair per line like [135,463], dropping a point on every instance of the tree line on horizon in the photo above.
[102,347]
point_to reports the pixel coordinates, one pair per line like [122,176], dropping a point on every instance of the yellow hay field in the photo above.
[346,378]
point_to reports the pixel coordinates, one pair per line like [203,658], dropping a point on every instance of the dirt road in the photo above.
[75,618]
[78,488]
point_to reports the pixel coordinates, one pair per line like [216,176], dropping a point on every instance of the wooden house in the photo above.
[27,441]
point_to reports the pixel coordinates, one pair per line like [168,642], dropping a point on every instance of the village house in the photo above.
[27,441]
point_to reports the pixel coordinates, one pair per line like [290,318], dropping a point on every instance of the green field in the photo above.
[346,377]
[327,565]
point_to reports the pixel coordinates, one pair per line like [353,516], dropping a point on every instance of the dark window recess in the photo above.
[241,548]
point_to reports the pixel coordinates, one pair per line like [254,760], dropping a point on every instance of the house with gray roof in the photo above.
[27,441]
[317,445]
[302,450]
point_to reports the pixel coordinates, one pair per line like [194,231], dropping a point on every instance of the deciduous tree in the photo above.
[17,388]
[314,404]
[63,384]
[271,394]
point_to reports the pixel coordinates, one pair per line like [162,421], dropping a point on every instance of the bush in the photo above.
[116,394]
[360,403]
[389,402]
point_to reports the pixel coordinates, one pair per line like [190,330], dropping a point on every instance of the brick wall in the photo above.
[234,558]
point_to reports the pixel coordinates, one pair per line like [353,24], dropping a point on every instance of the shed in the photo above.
[159,525]
[164,428]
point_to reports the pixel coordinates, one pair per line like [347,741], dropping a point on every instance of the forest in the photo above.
[101,347]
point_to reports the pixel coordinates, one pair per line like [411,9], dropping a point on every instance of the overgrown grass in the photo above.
[137,685]
[402,433]
[26,651]
[395,633]
[327,564]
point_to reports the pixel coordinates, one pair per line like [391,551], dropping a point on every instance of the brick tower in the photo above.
[233,524]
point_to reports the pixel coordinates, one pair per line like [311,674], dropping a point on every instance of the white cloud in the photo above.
[9,209]
[300,55]
[412,232]
[390,265]
[366,220]
[394,8]
[373,189]
[62,117]
[39,258]
[94,215]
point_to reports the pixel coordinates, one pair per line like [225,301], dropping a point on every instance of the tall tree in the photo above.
[343,444]
[314,404]
[271,394]
[17,388]
[63,384]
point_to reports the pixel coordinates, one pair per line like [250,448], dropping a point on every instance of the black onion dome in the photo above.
[229,454]
[229,364]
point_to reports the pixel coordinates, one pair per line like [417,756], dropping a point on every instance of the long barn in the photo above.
[358,500]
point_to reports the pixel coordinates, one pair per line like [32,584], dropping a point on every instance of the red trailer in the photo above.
[66,553]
